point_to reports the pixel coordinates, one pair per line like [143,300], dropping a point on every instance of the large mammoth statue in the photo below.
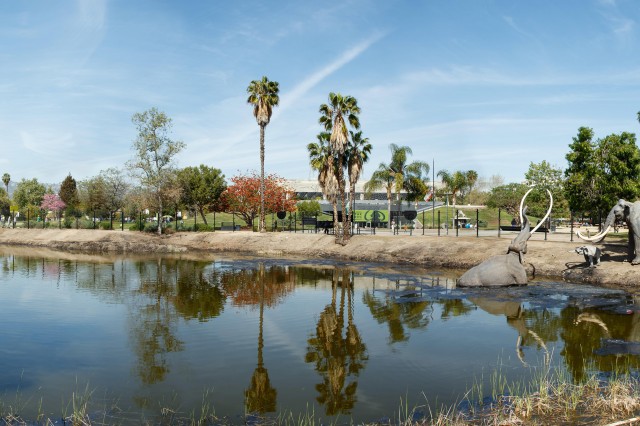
[505,269]
[627,212]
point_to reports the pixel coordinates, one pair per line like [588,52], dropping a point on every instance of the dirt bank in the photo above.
[545,258]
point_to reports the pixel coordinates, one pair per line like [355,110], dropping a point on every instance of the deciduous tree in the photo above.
[154,154]
[52,202]
[201,187]
[602,171]
[507,197]
[29,192]
[242,196]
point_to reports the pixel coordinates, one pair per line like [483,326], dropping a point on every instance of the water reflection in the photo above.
[338,354]
[262,287]
[406,318]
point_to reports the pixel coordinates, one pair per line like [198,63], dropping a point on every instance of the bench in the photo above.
[229,227]
[310,221]
[518,229]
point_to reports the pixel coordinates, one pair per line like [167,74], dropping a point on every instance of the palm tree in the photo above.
[263,95]
[334,117]
[398,175]
[458,182]
[357,152]
[6,178]
[322,161]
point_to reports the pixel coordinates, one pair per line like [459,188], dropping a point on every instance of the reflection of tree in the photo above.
[261,397]
[583,337]
[455,307]
[198,296]
[337,355]
[154,323]
[398,313]
[261,287]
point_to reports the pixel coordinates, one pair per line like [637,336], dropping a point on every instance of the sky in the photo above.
[467,84]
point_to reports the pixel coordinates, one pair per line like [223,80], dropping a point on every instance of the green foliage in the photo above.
[458,183]
[309,208]
[507,197]
[154,154]
[201,187]
[29,192]
[6,178]
[545,176]
[69,192]
[601,172]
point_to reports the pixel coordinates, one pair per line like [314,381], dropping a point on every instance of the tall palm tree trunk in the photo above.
[343,199]
[263,227]
[352,196]
[389,208]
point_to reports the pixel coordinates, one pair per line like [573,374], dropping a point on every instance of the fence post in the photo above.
[499,211]
[422,222]
[571,215]
[457,222]
[438,223]
[477,223]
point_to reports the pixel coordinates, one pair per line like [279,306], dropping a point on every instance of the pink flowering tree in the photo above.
[52,202]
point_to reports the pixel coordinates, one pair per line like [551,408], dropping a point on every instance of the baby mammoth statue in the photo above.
[591,254]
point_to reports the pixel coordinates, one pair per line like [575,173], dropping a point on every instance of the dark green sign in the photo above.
[371,216]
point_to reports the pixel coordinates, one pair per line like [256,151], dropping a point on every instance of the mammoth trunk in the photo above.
[611,218]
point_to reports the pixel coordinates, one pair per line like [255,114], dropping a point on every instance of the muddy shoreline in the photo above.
[554,259]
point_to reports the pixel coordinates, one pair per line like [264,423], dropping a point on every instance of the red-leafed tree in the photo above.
[242,197]
[52,202]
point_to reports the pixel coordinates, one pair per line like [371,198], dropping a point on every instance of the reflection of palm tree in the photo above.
[263,288]
[261,397]
[398,314]
[337,356]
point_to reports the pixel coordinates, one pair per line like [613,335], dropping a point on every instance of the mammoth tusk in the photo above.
[595,238]
[546,216]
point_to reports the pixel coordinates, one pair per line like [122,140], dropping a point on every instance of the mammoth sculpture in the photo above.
[627,212]
[505,269]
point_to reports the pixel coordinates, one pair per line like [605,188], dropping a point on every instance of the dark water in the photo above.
[264,336]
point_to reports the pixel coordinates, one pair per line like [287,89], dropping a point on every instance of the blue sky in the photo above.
[483,85]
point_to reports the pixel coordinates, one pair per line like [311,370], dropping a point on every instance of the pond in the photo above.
[145,337]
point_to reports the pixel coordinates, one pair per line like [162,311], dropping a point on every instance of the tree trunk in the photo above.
[389,209]
[263,227]
[335,219]
[352,196]
[343,198]
[159,215]
[204,218]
